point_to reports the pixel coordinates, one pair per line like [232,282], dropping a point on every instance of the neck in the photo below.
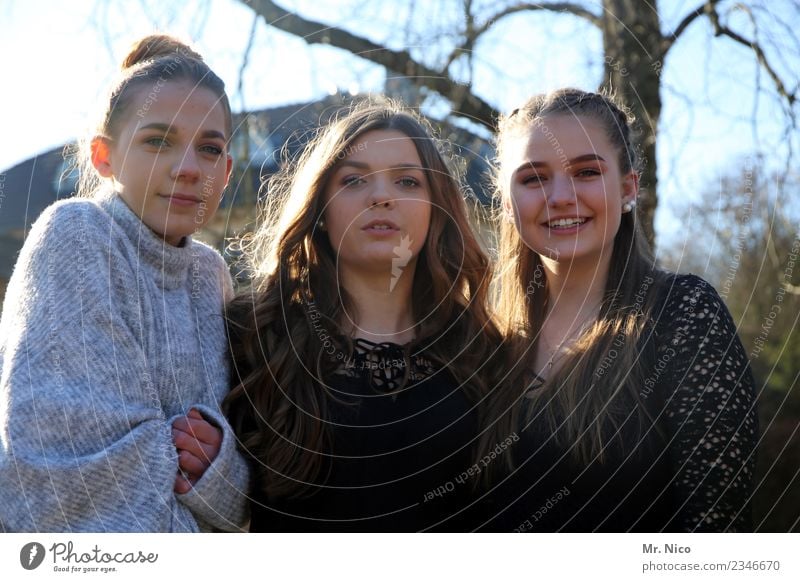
[383,306]
[575,288]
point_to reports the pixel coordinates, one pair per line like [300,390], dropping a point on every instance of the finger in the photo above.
[200,428]
[192,464]
[182,484]
[185,441]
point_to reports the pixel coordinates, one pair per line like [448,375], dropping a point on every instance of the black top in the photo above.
[690,470]
[402,430]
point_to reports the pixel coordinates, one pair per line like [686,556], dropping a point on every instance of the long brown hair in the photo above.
[282,327]
[579,402]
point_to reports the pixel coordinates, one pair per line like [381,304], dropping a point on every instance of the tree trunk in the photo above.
[632,42]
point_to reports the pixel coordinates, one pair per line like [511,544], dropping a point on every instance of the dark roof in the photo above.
[31,186]
[25,190]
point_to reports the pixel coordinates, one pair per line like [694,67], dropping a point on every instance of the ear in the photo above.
[228,168]
[630,187]
[101,156]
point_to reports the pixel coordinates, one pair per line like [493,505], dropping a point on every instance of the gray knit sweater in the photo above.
[107,335]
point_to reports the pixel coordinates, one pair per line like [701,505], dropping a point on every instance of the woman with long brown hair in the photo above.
[633,394]
[362,350]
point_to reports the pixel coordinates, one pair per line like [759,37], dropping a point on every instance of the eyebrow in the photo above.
[576,160]
[209,133]
[365,166]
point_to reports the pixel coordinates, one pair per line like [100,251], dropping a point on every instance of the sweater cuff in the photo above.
[219,499]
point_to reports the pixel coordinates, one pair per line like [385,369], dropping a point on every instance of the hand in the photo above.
[198,443]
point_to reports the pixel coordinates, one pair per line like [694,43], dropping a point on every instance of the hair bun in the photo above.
[156,46]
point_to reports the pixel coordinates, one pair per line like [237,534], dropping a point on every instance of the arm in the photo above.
[710,411]
[219,497]
[85,444]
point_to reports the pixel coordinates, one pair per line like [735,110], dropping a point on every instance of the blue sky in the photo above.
[59,58]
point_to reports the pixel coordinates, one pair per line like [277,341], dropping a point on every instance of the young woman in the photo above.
[633,393]
[113,350]
[364,348]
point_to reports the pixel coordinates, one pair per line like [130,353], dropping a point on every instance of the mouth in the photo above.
[181,199]
[566,223]
[380,226]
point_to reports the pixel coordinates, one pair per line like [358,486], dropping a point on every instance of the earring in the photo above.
[628,206]
[321,224]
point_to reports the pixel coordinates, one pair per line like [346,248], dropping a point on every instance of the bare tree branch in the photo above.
[400,62]
[471,36]
[722,30]
[561,7]
[670,39]
[246,60]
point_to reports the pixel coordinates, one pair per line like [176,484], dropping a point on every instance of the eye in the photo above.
[352,180]
[587,173]
[157,142]
[534,180]
[214,150]
[408,182]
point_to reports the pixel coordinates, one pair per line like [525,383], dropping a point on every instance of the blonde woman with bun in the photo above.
[113,351]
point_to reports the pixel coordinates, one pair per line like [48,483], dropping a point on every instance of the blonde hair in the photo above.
[152,60]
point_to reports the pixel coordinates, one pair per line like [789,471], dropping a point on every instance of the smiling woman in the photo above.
[113,344]
[630,388]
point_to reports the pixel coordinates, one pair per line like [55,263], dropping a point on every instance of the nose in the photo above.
[381,192]
[187,167]
[561,191]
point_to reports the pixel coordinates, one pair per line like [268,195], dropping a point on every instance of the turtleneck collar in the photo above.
[169,265]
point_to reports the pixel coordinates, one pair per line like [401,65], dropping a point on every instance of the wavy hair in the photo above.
[278,406]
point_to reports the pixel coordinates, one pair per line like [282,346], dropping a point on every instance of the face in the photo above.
[378,204]
[564,189]
[169,163]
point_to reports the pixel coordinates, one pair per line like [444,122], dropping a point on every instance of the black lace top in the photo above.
[402,430]
[690,468]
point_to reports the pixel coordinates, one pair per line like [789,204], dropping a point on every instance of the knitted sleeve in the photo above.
[85,443]
[219,499]
[709,409]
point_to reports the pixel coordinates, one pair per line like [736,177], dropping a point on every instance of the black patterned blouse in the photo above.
[689,468]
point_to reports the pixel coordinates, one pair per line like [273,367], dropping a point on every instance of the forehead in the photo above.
[382,147]
[181,105]
[558,137]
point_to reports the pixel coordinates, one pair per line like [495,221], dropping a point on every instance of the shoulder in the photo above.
[74,218]
[64,235]
[690,307]
[686,288]
[686,294]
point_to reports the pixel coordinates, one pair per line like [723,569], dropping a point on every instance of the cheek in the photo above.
[419,225]
[613,221]
[339,224]
[524,205]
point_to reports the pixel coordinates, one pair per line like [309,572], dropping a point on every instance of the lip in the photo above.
[181,199]
[564,230]
[372,227]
